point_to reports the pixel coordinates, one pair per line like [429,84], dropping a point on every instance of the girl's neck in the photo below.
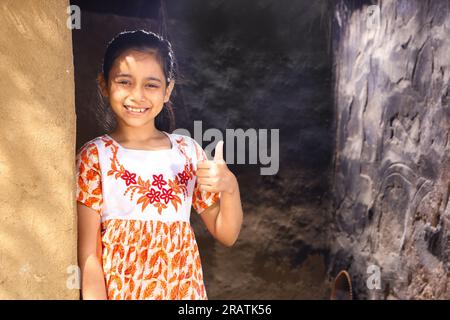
[133,134]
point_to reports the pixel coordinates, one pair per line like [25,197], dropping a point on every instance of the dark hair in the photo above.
[143,40]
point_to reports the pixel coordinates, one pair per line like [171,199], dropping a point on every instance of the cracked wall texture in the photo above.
[392,161]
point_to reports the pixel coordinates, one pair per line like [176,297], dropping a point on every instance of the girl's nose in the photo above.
[137,94]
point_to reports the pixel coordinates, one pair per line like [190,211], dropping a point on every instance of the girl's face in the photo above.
[136,88]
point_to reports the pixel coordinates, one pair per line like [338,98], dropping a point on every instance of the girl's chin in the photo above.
[135,122]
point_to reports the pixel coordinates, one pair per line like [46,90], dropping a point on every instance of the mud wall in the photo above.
[37,149]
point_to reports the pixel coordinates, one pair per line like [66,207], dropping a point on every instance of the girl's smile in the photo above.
[136,110]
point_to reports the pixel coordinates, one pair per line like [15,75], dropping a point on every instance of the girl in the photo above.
[136,185]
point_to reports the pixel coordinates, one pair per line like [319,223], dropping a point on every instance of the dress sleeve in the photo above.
[89,182]
[201,200]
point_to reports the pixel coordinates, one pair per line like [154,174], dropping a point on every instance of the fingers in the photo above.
[218,154]
[207,181]
[203,173]
[207,169]
[208,188]
[205,164]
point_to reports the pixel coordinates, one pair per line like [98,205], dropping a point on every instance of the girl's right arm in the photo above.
[90,254]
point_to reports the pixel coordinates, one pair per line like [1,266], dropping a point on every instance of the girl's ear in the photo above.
[169,90]
[102,85]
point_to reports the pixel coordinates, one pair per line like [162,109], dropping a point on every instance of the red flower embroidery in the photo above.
[153,195]
[159,199]
[184,177]
[167,195]
[158,181]
[129,177]
[189,168]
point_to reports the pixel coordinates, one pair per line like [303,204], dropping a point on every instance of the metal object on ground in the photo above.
[342,287]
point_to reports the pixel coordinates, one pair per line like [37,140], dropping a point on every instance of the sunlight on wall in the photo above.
[37,147]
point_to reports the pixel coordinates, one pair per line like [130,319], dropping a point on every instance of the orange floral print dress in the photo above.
[144,198]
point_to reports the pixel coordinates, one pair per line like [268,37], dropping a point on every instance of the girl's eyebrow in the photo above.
[153,78]
[126,75]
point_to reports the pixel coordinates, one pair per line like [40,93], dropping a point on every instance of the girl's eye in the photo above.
[151,86]
[123,82]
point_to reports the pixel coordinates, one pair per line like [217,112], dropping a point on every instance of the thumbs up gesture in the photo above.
[214,175]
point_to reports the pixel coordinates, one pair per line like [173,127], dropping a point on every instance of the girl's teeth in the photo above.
[135,110]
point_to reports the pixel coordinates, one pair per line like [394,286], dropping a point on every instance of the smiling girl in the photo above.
[136,186]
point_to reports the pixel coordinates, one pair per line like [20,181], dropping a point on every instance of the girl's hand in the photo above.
[214,175]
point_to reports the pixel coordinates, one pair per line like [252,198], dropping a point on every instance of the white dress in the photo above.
[144,198]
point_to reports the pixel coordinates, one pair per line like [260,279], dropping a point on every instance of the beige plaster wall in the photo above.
[37,147]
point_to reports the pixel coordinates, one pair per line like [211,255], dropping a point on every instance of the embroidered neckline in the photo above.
[145,150]
[157,191]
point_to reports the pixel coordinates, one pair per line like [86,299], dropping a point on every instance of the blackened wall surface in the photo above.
[392,152]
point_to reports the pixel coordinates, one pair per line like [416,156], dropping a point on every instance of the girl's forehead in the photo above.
[138,63]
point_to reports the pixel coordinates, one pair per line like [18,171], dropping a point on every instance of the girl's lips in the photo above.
[135,113]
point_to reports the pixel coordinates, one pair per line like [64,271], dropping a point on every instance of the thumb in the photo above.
[218,152]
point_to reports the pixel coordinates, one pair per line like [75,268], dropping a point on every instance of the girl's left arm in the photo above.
[223,219]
